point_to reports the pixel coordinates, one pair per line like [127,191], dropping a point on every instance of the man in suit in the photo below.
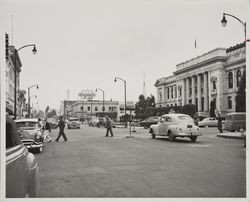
[61,126]
[108,125]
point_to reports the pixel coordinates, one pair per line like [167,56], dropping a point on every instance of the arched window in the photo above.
[230,80]
[238,77]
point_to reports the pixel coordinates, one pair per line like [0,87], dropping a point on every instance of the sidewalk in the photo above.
[232,135]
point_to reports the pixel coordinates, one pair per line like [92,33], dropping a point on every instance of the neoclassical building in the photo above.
[213,76]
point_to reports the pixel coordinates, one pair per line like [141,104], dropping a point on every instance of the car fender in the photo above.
[32,175]
[154,128]
[173,129]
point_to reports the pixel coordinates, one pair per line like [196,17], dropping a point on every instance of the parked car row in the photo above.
[100,122]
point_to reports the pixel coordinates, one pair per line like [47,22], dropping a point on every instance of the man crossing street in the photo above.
[61,126]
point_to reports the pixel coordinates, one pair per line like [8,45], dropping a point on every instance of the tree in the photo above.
[189,109]
[241,95]
[46,111]
[51,114]
[141,106]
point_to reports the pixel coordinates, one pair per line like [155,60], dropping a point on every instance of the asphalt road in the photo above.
[91,165]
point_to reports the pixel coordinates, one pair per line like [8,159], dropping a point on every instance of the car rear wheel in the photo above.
[171,136]
[193,139]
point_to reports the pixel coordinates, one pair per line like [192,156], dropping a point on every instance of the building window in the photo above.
[238,77]
[214,85]
[96,108]
[190,91]
[168,93]
[88,108]
[172,92]
[202,104]
[180,104]
[195,89]
[180,91]
[230,80]
[229,101]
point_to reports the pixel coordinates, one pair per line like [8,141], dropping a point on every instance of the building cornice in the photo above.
[201,64]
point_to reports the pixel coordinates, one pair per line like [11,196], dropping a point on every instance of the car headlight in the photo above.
[38,136]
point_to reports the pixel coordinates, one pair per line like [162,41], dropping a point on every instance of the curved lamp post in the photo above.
[125,106]
[224,23]
[30,97]
[103,109]
[15,88]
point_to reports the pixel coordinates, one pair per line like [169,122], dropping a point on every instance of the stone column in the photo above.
[193,90]
[187,90]
[205,89]
[183,92]
[163,95]
[199,91]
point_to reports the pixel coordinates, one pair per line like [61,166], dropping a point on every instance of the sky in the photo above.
[84,45]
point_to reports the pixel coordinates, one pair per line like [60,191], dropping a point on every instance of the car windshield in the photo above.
[185,118]
[27,125]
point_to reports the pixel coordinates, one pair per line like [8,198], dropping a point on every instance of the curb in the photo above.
[230,136]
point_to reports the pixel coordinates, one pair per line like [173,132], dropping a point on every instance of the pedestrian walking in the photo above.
[61,126]
[108,126]
[219,126]
[47,131]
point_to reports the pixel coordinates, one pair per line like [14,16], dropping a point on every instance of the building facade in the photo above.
[86,109]
[89,108]
[13,67]
[213,77]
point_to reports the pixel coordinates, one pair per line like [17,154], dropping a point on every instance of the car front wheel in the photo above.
[193,139]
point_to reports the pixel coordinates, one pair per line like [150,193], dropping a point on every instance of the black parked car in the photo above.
[149,121]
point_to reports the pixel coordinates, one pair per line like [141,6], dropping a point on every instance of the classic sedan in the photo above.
[31,133]
[175,125]
[210,121]
[146,123]
[73,123]
[21,166]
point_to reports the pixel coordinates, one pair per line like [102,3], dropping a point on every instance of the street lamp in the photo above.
[102,98]
[224,23]
[30,97]
[125,105]
[15,87]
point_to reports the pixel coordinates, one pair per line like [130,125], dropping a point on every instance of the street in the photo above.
[91,165]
